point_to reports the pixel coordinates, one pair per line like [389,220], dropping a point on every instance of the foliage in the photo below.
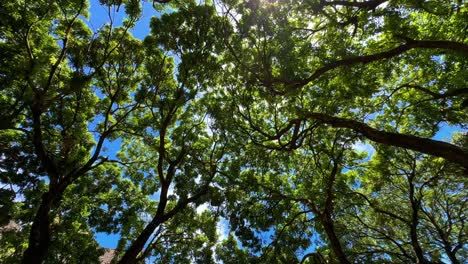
[249,115]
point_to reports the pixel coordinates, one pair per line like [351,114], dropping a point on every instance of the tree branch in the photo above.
[365,59]
[432,147]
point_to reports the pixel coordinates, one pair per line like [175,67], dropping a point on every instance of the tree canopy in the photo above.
[253,131]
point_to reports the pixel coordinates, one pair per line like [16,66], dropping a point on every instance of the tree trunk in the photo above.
[414,223]
[39,236]
[451,255]
[415,243]
[329,227]
[138,244]
[131,255]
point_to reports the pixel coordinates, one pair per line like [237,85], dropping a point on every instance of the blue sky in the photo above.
[99,16]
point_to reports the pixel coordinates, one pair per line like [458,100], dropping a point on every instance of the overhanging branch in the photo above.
[365,59]
[432,147]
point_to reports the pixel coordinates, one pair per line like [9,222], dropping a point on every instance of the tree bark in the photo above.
[409,44]
[39,237]
[432,147]
[365,59]
[452,256]
[414,225]
[138,244]
[326,216]
[329,227]
[131,255]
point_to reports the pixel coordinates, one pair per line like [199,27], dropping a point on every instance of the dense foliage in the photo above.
[256,131]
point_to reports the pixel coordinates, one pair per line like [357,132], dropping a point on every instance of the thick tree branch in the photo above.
[365,59]
[361,5]
[46,161]
[414,223]
[432,147]
[326,217]
[434,95]
[131,255]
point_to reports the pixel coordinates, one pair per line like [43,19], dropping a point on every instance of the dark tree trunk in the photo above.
[39,236]
[329,227]
[414,223]
[451,255]
[326,216]
[131,255]
[415,244]
[138,244]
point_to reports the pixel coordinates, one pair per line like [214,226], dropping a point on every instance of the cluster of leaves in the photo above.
[242,114]
[319,79]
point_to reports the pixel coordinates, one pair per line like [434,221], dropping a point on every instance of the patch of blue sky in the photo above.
[316,242]
[447,131]
[361,146]
[106,240]
[100,15]
[222,229]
